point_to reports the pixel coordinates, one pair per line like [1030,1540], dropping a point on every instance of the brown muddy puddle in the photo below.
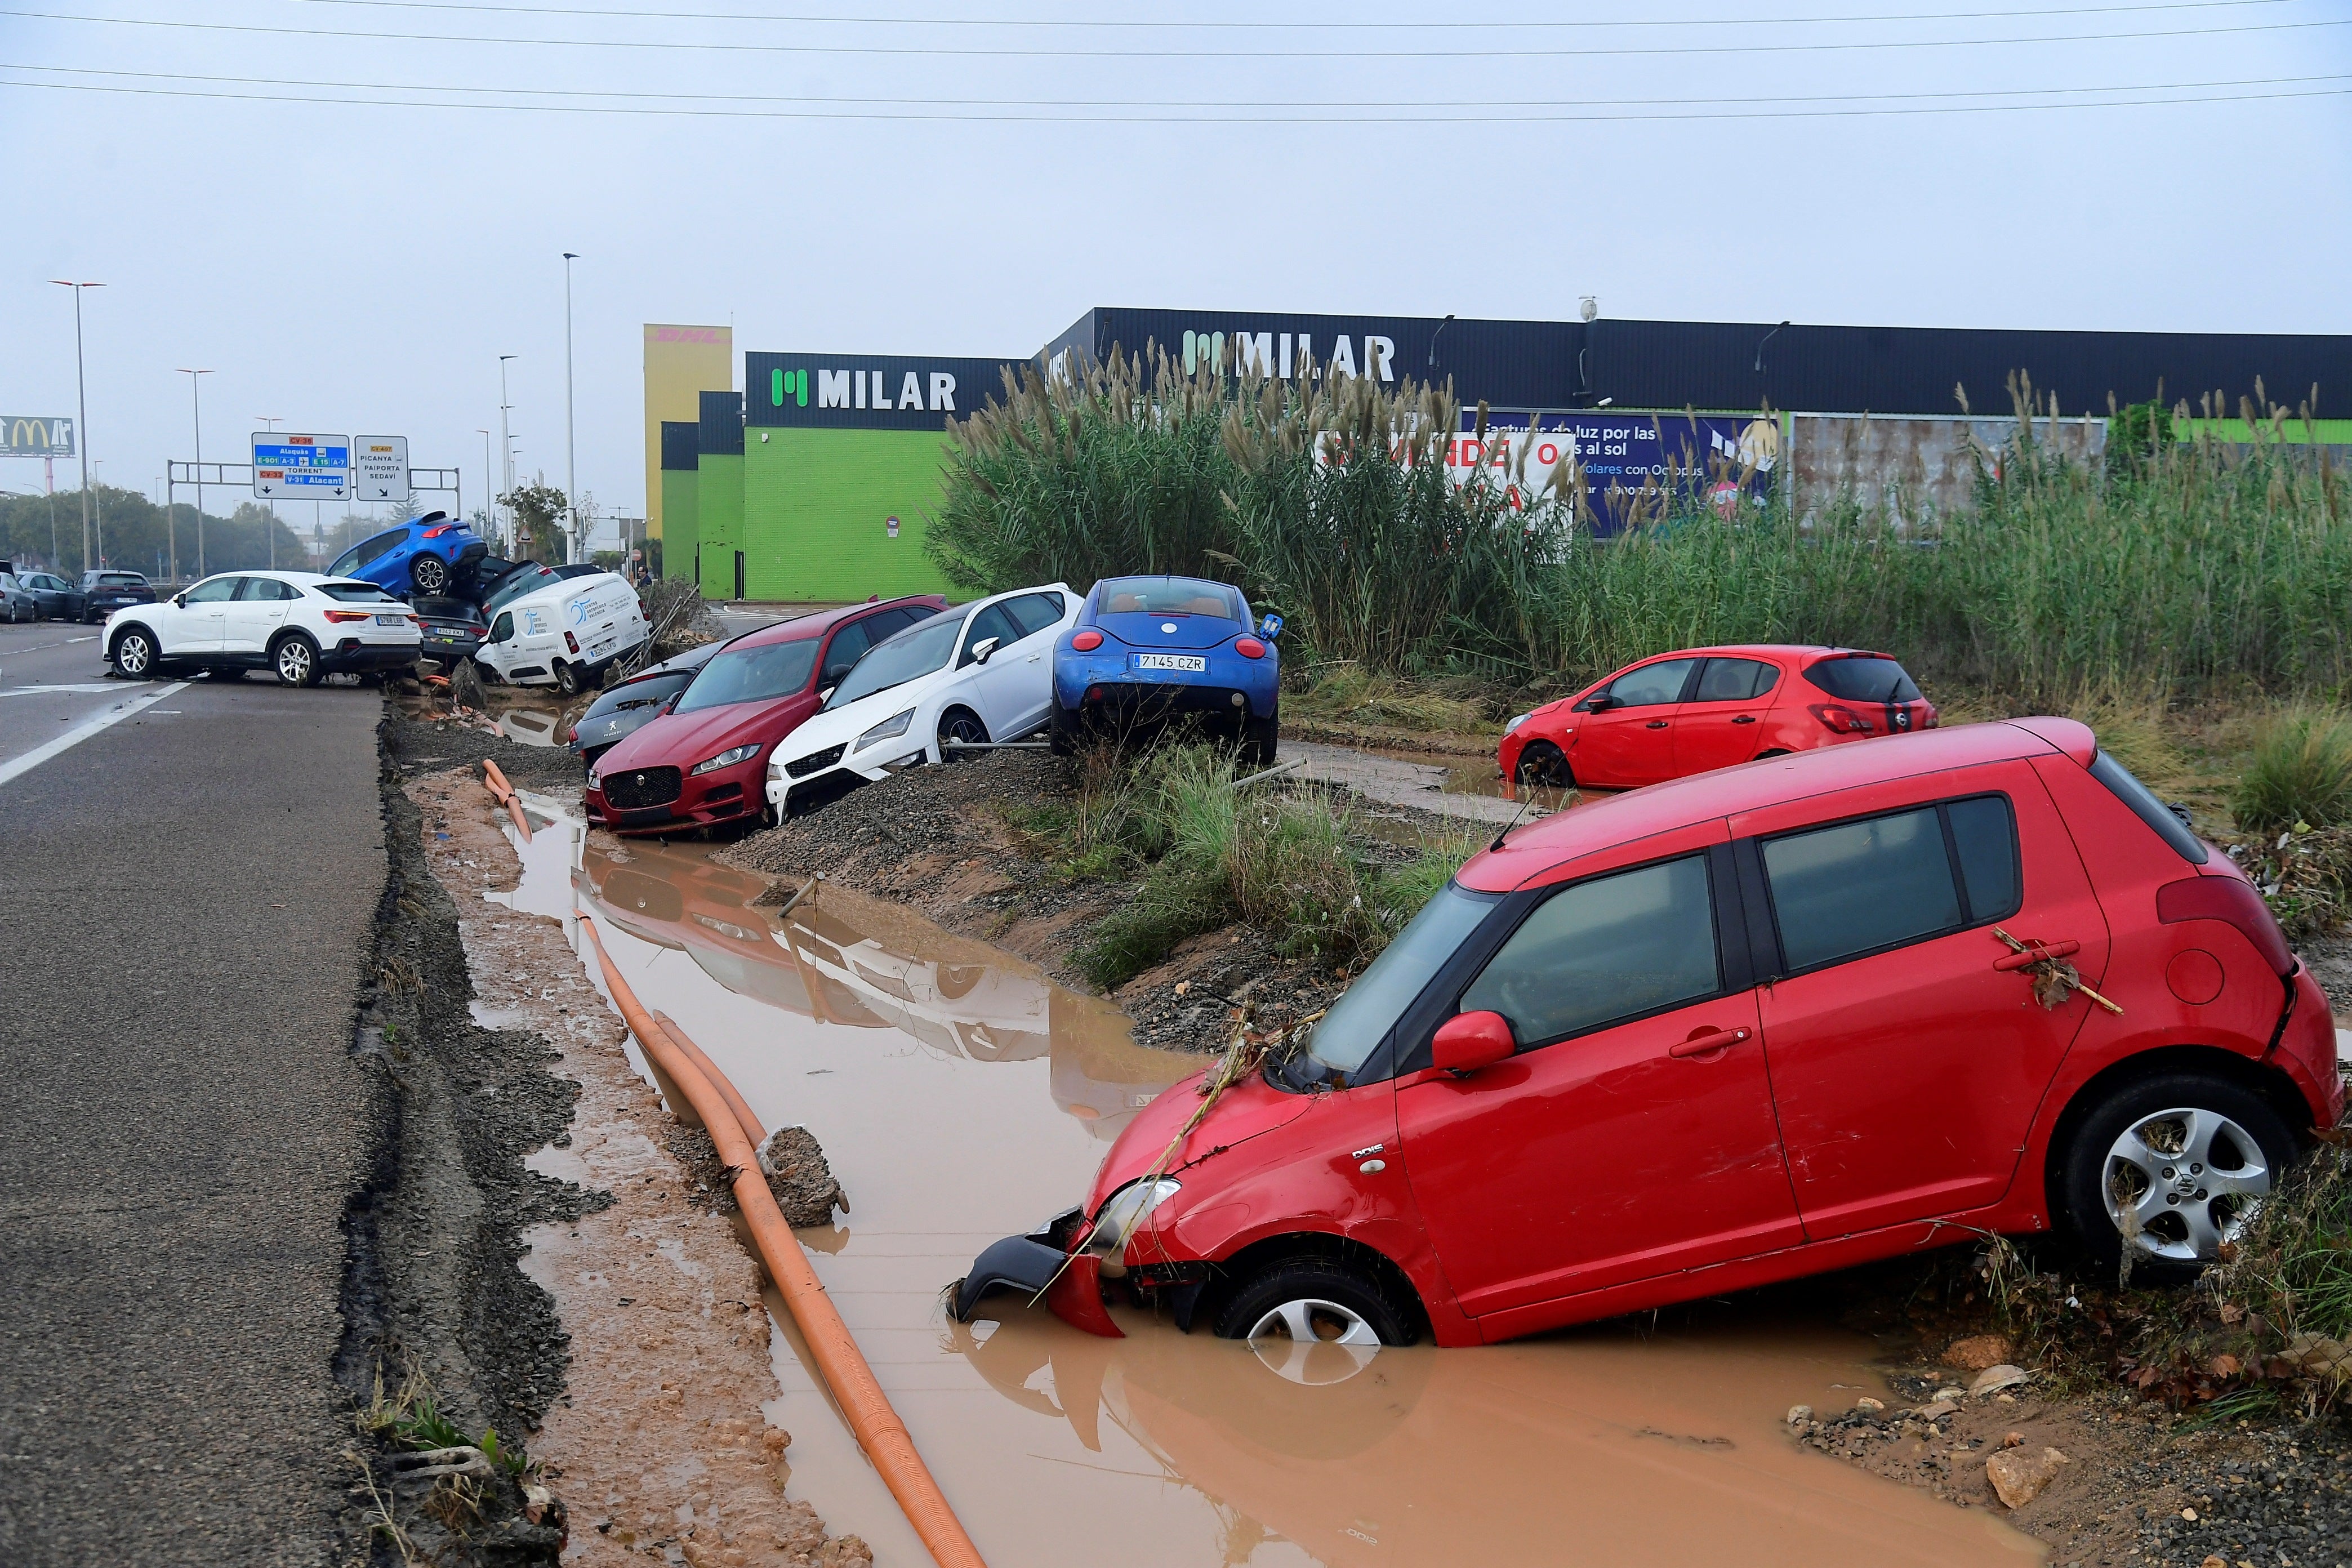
[961,1097]
[1481,775]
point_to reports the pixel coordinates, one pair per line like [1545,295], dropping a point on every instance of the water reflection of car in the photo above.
[623,710]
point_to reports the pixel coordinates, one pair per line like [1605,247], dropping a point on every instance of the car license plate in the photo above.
[1192,661]
[392,620]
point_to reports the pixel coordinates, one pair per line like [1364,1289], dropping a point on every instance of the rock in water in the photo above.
[800,1179]
[2020,1479]
[465,685]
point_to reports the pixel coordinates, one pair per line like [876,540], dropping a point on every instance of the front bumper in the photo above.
[352,655]
[705,800]
[1035,1265]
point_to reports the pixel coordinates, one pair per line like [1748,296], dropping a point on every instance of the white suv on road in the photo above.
[299,624]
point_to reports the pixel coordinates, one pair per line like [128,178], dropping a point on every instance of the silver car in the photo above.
[22,603]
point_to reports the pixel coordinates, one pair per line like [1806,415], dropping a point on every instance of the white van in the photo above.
[548,630]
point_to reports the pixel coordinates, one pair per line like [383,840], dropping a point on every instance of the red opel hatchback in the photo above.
[704,759]
[1732,1029]
[1701,708]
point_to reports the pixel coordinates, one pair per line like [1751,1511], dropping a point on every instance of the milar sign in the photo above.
[881,392]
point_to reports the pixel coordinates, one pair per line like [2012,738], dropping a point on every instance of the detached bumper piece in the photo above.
[1073,1283]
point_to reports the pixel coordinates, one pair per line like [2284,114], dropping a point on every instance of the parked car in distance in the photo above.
[1147,651]
[1686,1040]
[627,707]
[105,592]
[700,760]
[299,624]
[423,555]
[59,599]
[565,632]
[979,672]
[1687,712]
[453,627]
[19,598]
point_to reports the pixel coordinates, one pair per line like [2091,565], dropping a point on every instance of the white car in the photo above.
[299,624]
[547,629]
[982,671]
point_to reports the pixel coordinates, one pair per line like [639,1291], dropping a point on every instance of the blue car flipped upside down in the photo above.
[1146,652]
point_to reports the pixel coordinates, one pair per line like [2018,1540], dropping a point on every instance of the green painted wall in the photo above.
[2327,432]
[718,518]
[681,533]
[816,505]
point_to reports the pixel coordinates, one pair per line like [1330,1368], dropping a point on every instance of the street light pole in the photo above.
[81,420]
[273,421]
[488,512]
[506,451]
[570,459]
[197,403]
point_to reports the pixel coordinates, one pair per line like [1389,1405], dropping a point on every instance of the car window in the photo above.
[751,675]
[2125,786]
[848,645]
[1735,680]
[1365,1012]
[359,593]
[1169,596]
[992,622]
[214,591]
[1032,613]
[503,627]
[250,589]
[120,580]
[371,549]
[523,579]
[1609,949]
[441,608]
[643,693]
[1652,684]
[1863,886]
[1863,678]
[918,650]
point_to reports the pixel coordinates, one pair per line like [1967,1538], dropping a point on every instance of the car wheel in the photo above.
[1261,739]
[1545,763]
[135,654]
[2179,1163]
[296,659]
[430,575]
[960,724]
[1315,1320]
[567,679]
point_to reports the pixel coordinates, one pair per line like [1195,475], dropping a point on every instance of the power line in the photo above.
[1390,107]
[1161,53]
[1484,24]
[1382,119]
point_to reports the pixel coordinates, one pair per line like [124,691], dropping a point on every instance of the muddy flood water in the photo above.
[961,1097]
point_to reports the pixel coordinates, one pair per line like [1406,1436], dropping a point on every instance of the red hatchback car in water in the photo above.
[1702,708]
[704,759]
[1735,1028]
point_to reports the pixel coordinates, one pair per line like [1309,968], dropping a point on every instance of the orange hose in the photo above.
[880,1431]
[505,792]
[718,1080]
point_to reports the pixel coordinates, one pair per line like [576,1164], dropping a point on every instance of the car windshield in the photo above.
[638,693]
[360,594]
[1863,678]
[1339,1045]
[751,675]
[918,650]
[1169,596]
[525,580]
[437,608]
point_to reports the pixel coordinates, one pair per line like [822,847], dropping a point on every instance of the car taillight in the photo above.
[1840,719]
[2232,902]
[437,532]
[573,735]
[339,616]
[1249,648]
[1094,693]
[571,642]
[1087,642]
[1932,718]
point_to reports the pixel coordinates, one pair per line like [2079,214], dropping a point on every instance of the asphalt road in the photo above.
[187,897]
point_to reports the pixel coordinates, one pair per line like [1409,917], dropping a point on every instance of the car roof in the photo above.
[1764,650]
[818,622]
[1530,851]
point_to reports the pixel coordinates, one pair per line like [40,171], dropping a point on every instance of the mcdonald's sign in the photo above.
[23,436]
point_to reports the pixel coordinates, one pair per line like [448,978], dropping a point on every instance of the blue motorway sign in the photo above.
[310,467]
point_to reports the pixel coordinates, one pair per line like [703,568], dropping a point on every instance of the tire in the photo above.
[135,655]
[296,659]
[959,724]
[567,679]
[1062,737]
[429,574]
[1337,1302]
[1261,738]
[1546,764]
[2126,1138]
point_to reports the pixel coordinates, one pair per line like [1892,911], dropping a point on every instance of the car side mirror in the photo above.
[181,600]
[982,649]
[1468,1041]
[1599,702]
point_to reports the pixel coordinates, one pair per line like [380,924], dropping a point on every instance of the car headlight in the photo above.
[889,729]
[1125,1212]
[1513,727]
[727,758]
[596,777]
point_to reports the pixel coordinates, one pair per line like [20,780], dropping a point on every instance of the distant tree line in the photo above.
[44,533]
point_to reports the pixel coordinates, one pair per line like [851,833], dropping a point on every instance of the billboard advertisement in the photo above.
[31,436]
[1631,469]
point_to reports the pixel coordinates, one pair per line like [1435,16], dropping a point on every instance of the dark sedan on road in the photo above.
[635,702]
[453,627]
[104,592]
[60,600]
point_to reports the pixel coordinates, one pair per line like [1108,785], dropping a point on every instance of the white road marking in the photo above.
[84,686]
[92,638]
[16,766]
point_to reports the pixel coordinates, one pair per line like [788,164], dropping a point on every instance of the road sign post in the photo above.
[303,468]
[379,468]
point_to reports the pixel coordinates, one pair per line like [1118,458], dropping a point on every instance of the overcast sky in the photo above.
[357,267]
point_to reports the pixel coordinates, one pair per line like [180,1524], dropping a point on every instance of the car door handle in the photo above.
[1707,1043]
[1656,724]
[2035,951]
[1745,718]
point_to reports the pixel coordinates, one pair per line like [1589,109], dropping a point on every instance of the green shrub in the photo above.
[2301,771]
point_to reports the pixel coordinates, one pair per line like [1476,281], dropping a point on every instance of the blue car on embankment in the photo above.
[1149,652]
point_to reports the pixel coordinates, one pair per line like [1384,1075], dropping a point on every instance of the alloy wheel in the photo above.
[960,727]
[1313,1342]
[132,655]
[2180,1183]
[430,574]
[294,662]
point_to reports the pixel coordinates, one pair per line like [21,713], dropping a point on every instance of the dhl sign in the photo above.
[27,435]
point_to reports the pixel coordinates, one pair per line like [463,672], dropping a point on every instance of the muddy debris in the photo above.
[2018,1478]
[798,1174]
